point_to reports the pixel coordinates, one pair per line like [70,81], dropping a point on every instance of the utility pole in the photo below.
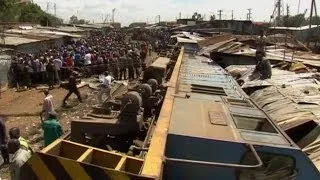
[299,6]
[313,7]
[48,13]
[220,14]
[55,9]
[179,15]
[249,14]
[232,15]
[279,12]
[288,10]
[113,12]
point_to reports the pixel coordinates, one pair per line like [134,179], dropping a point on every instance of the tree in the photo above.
[315,20]
[73,20]
[31,13]
[13,11]
[295,21]
[197,16]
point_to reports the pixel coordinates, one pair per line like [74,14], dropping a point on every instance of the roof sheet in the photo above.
[291,105]
[15,40]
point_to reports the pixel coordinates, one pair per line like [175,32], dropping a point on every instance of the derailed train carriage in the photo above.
[207,128]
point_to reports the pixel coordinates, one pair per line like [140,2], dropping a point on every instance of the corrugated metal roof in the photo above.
[290,100]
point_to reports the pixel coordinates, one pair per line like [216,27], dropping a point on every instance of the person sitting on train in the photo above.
[263,68]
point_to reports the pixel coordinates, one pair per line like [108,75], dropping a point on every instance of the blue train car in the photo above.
[217,132]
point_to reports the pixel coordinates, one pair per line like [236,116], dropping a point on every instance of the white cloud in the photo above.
[128,11]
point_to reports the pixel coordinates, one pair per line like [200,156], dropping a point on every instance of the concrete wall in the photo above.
[40,46]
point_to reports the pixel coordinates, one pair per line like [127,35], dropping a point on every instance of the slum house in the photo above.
[233,49]
[35,40]
[65,29]
[222,26]
[290,97]
[303,33]
[5,62]
[292,100]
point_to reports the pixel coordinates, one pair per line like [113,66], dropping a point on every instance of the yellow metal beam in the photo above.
[85,157]
[154,160]
[54,145]
[121,164]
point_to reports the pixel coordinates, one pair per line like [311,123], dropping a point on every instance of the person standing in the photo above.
[72,87]
[106,87]
[20,156]
[52,129]
[43,72]
[130,65]
[87,59]
[3,141]
[47,105]
[58,64]
[123,67]
[50,72]
[114,66]
[136,65]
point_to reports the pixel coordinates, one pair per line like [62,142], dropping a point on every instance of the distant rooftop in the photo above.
[16,40]
[294,28]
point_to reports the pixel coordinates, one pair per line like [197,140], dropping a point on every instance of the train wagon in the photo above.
[208,128]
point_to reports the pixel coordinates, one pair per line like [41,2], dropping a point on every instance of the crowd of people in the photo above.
[94,54]
[115,55]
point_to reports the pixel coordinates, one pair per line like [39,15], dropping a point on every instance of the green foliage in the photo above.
[13,11]
[197,16]
[294,21]
[299,20]
[74,20]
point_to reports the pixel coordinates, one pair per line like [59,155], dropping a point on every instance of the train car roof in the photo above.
[217,108]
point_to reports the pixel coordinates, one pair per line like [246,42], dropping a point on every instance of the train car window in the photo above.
[275,167]
[253,123]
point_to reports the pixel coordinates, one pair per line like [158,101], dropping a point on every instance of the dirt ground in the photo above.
[22,109]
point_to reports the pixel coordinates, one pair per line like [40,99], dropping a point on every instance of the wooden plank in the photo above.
[154,160]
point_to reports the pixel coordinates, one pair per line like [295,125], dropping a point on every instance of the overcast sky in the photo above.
[128,11]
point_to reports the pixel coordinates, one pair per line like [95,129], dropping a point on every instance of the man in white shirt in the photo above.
[58,64]
[87,59]
[47,105]
[106,87]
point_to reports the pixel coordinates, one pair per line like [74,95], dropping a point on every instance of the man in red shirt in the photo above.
[69,61]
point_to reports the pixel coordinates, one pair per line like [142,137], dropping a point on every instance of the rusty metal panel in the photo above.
[218,118]
[192,118]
